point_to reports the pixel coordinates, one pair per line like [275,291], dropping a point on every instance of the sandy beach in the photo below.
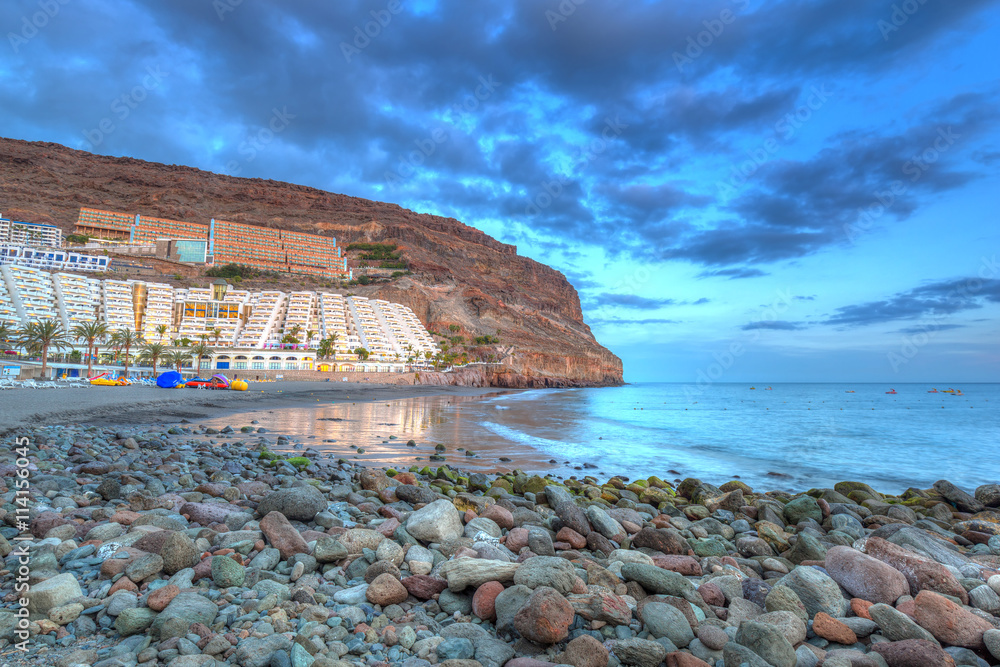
[141,405]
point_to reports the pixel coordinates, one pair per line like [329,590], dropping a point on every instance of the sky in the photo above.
[740,191]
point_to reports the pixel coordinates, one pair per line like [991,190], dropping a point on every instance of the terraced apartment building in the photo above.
[262,248]
[247,330]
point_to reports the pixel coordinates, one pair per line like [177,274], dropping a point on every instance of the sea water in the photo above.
[792,436]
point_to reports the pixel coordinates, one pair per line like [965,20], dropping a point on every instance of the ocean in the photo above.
[789,437]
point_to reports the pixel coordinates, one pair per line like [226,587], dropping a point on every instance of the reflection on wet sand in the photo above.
[382,429]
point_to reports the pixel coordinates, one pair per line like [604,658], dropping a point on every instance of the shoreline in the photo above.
[133,405]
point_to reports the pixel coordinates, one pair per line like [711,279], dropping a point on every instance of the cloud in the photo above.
[934,300]
[734,273]
[617,321]
[774,325]
[928,328]
[631,301]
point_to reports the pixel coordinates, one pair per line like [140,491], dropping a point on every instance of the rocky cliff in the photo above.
[459,274]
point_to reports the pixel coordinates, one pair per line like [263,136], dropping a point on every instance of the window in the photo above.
[290,366]
[274,365]
[257,365]
[240,365]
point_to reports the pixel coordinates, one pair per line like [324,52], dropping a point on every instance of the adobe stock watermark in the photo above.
[914,168]
[365,33]
[260,138]
[32,23]
[703,39]
[409,163]
[784,129]
[553,189]
[929,327]
[727,357]
[223,7]
[901,13]
[22,496]
[122,106]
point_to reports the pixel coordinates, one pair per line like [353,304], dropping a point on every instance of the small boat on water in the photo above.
[933,391]
[891,391]
[849,391]
[768,389]
[753,387]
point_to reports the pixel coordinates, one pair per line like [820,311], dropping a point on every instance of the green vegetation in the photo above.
[454,328]
[77,238]
[487,340]
[299,462]
[457,340]
[392,265]
[232,271]
[374,248]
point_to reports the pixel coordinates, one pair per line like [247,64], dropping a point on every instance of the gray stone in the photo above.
[144,567]
[992,640]
[557,573]
[817,591]
[329,550]
[806,547]
[658,580]
[455,648]
[121,601]
[178,552]
[664,620]
[226,572]
[268,559]
[187,608]
[255,652]
[768,642]
[53,592]
[803,507]
[791,626]
[299,503]
[985,598]
[135,620]
[437,522]
[737,655]
[639,652]
[451,602]
[508,603]
[603,523]
[896,625]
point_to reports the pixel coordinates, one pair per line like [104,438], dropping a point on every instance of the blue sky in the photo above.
[741,191]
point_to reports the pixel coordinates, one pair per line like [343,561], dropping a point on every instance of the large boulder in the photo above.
[950,623]
[437,522]
[299,503]
[920,572]
[817,591]
[865,577]
[557,573]
[545,617]
[54,592]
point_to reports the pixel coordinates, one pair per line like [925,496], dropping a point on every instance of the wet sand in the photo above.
[148,405]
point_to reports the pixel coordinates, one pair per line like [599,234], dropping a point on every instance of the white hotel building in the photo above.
[236,322]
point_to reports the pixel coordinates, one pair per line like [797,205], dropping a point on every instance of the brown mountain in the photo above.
[459,274]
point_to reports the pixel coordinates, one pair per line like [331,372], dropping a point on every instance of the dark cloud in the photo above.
[631,301]
[935,300]
[775,325]
[929,328]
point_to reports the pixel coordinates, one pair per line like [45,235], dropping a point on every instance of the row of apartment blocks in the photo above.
[30,233]
[225,242]
[51,259]
[230,318]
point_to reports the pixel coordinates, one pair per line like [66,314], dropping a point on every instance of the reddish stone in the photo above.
[46,521]
[499,515]
[574,539]
[386,590]
[312,535]
[666,541]
[388,495]
[827,627]
[585,651]
[388,527]
[860,608]
[630,527]
[161,597]
[206,513]
[579,586]
[203,569]
[681,659]
[405,478]
[113,566]
[282,535]
[712,594]
[909,608]
[389,512]
[921,573]
[466,552]
[865,577]
[153,542]
[484,600]
[686,565]
[545,617]
[662,521]
[424,587]
[123,584]
[469,516]
[124,517]
[213,489]
[950,623]
[517,539]
[913,653]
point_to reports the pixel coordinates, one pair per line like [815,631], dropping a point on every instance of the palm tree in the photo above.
[199,351]
[125,339]
[152,353]
[362,354]
[177,358]
[216,334]
[42,335]
[325,349]
[161,331]
[91,333]
[309,336]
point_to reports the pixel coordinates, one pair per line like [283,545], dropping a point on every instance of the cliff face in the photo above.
[460,275]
